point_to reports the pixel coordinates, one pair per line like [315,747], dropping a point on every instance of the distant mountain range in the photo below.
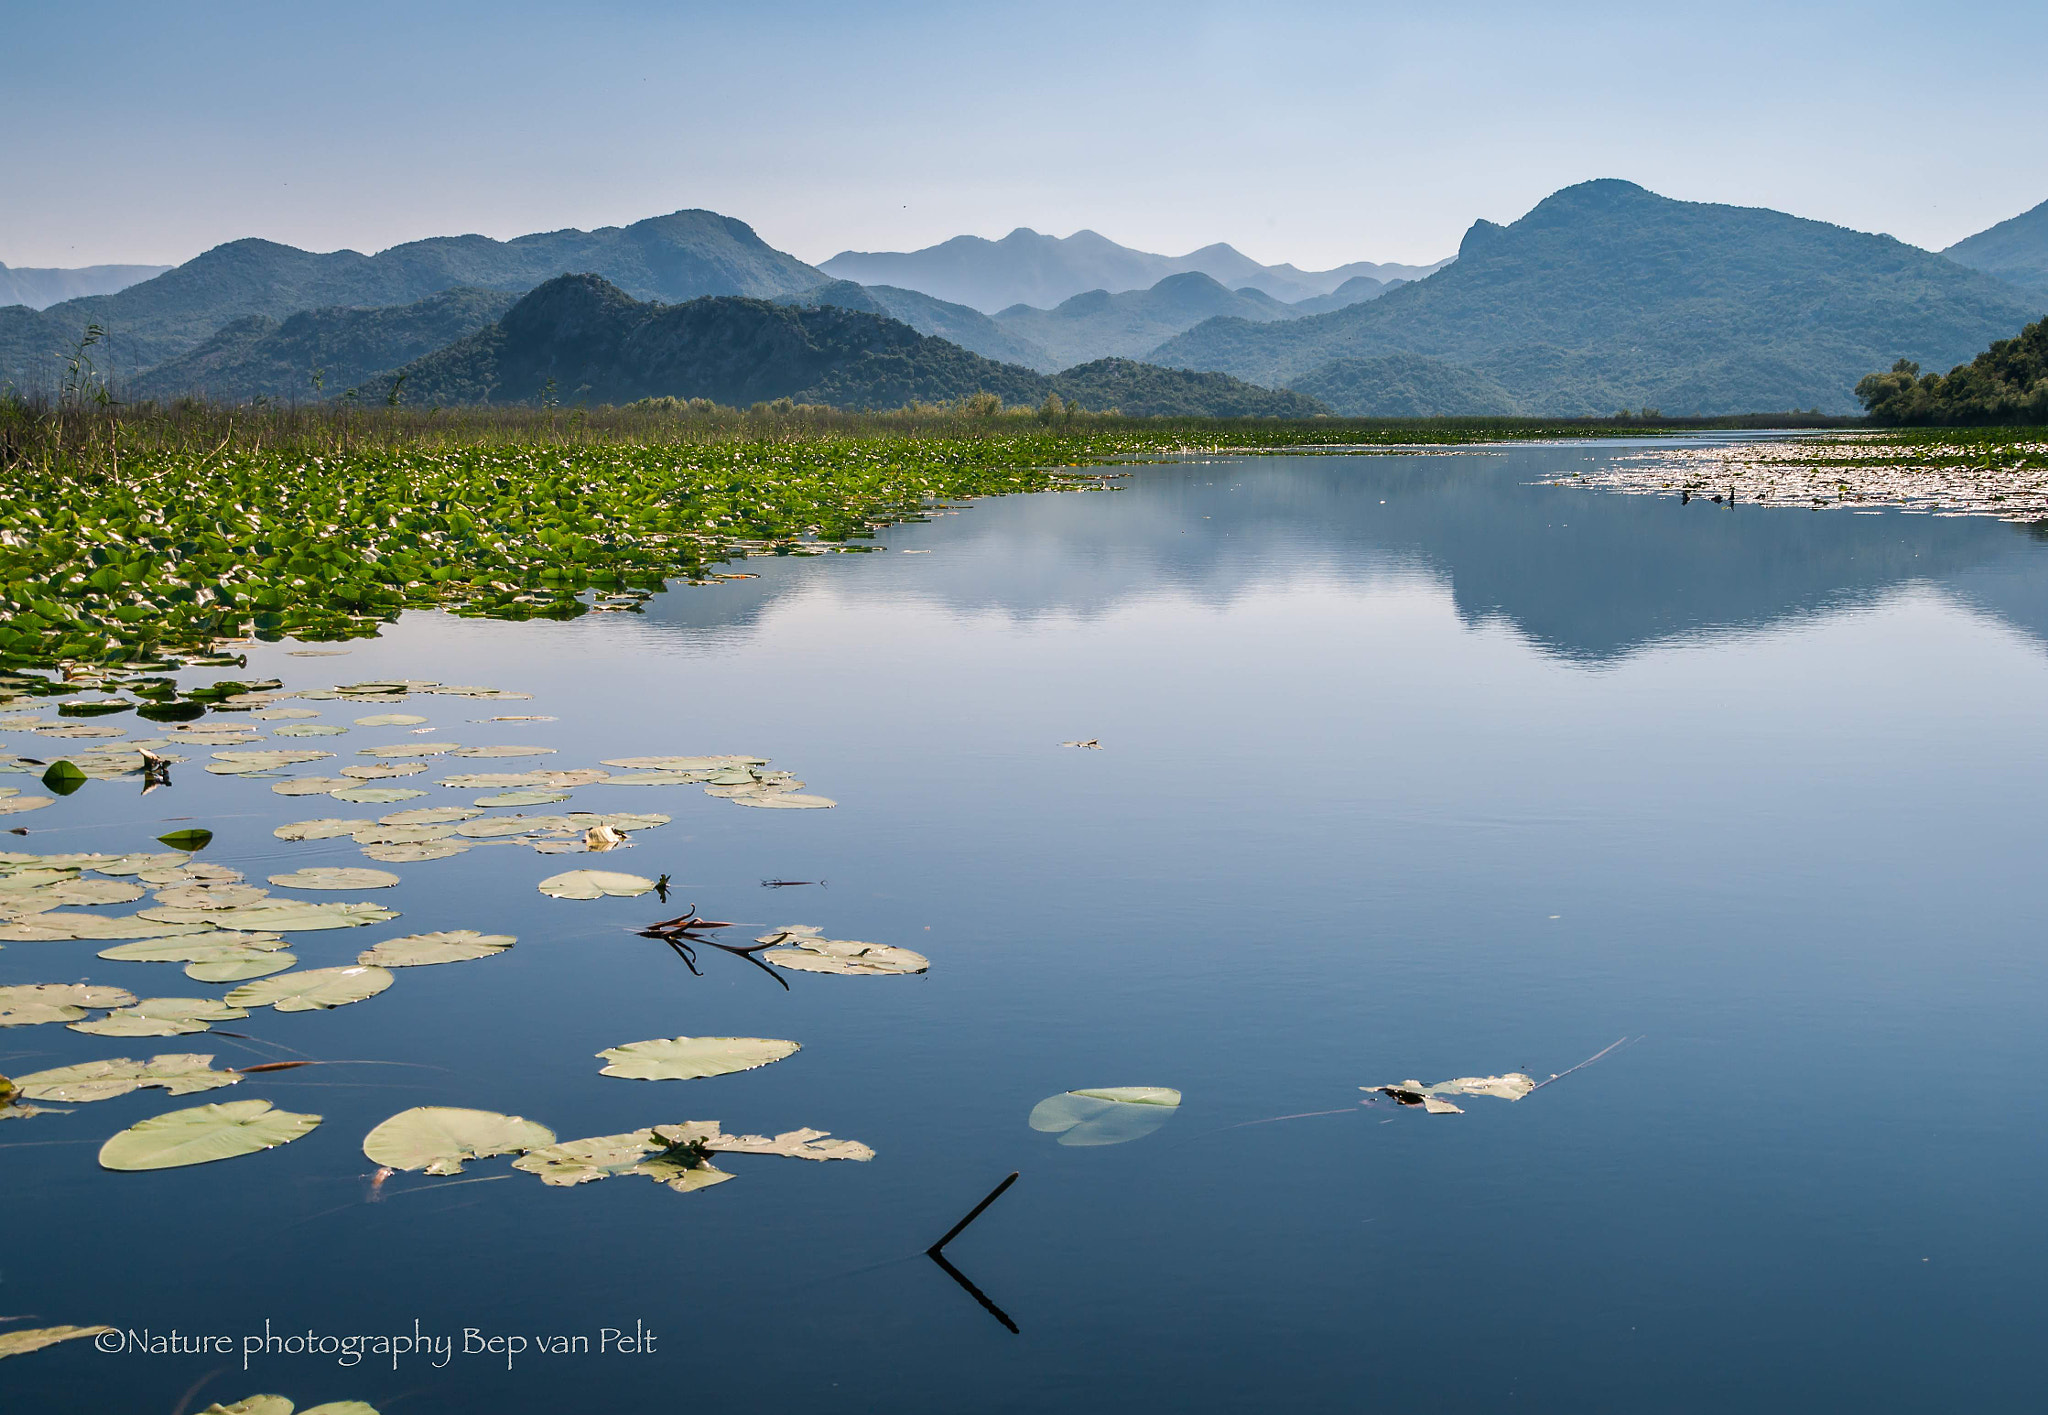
[1132,322]
[37,288]
[1608,296]
[583,340]
[1027,268]
[674,257]
[2016,251]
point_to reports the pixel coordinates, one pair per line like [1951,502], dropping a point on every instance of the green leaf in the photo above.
[312,989]
[179,1073]
[688,1058]
[438,1138]
[193,839]
[593,884]
[335,877]
[419,950]
[63,777]
[1105,1115]
[803,951]
[204,1134]
[27,1339]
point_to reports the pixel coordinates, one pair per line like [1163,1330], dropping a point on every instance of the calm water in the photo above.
[1409,768]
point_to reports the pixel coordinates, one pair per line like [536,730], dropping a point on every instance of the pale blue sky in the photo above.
[1311,132]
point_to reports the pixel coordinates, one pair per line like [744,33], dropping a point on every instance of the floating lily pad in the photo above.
[204,1134]
[1106,1115]
[335,877]
[414,854]
[235,965]
[492,827]
[390,719]
[135,864]
[439,1138]
[793,1144]
[179,1073]
[784,801]
[162,1017]
[430,815]
[285,714]
[287,916]
[529,796]
[26,1339]
[416,749]
[75,892]
[243,763]
[402,834]
[375,795]
[1510,1087]
[194,839]
[253,1405]
[312,989]
[688,1058]
[63,778]
[450,946]
[684,763]
[311,785]
[383,771]
[43,928]
[32,1004]
[209,896]
[15,805]
[803,950]
[326,828]
[593,884]
[311,730]
[582,1161]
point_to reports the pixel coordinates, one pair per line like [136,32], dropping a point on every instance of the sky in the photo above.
[1318,133]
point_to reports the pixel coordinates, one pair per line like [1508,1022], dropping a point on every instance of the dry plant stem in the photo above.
[1619,1042]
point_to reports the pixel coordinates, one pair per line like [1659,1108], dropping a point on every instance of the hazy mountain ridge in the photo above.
[675,257]
[1606,295]
[957,324]
[1029,268]
[37,287]
[2015,250]
[260,357]
[583,340]
[1099,324]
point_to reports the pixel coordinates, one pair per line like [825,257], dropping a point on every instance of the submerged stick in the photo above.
[972,1214]
[1623,1041]
[972,1291]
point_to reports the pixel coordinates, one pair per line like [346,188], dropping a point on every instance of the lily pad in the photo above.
[449,946]
[390,719]
[593,884]
[383,771]
[784,801]
[794,1144]
[32,1004]
[689,1058]
[413,854]
[326,828]
[311,785]
[402,834]
[194,839]
[439,1138]
[304,729]
[243,763]
[209,896]
[26,1339]
[285,714]
[335,877]
[312,989]
[42,928]
[1510,1087]
[180,1073]
[492,827]
[375,795]
[63,778]
[16,805]
[684,763]
[288,916]
[803,951]
[529,796]
[430,815]
[204,1134]
[1105,1115]
[162,1017]
[414,749]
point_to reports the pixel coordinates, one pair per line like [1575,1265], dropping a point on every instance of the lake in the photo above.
[1409,767]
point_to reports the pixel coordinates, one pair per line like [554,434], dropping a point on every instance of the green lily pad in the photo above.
[492,827]
[383,771]
[689,1058]
[312,989]
[784,801]
[63,778]
[503,751]
[402,834]
[451,946]
[390,719]
[311,785]
[204,1134]
[15,805]
[414,749]
[335,877]
[375,795]
[414,854]
[162,1017]
[253,1405]
[311,730]
[684,763]
[180,1073]
[1106,1115]
[528,796]
[439,1138]
[45,928]
[209,896]
[593,884]
[243,763]
[802,950]
[291,916]
[32,1004]
[325,828]
[285,714]
[26,1339]
[194,839]
[431,815]
[792,1144]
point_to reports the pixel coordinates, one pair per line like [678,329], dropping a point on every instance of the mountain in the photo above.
[1405,386]
[2007,383]
[1099,324]
[675,257]
[1028,268]
[36,288]
[587,341]
[1149,391]
[1355,291]
[260,357]
[957,324]
[2016,250]
[1607,295]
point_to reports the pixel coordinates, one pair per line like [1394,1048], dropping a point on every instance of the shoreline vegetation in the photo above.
[133,532]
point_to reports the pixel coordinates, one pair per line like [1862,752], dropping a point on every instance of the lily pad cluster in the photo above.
[1511,1086]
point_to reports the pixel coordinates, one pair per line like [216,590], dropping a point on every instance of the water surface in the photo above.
[1409,768]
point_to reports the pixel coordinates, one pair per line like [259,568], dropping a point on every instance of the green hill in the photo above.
[674,257]
[957,324]
[259,357]
[580,339]
[1607,295]
[1405,386]
[1098,324]
[2016,251]
[2007,383]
